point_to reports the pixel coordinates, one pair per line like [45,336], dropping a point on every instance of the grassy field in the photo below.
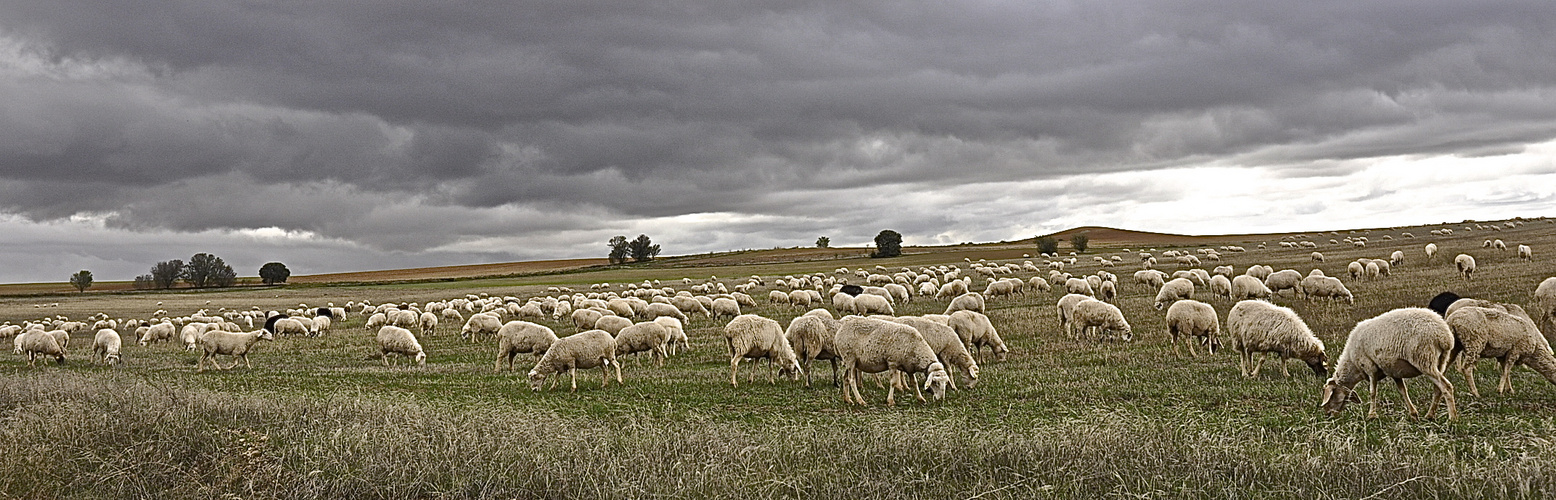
[1060,418]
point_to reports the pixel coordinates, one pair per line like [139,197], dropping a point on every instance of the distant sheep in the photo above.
[1466,265]
[1256,326]
[1326,287]
[1431,250]
[1399,344]
[1285,279]
[612,324]
[1525,253]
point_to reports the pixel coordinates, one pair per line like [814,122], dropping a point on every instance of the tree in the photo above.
[887,244]
[274,272]
[823,242]
[1079,241]
[206,270]
[144,282]
[1047,245]
[643,249]
[82,280]
[166,273]
[619,250]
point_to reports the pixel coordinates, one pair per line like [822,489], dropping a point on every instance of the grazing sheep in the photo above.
[1525,253]
[1285,279]
[947,345]
[375,320]
[1511,339]
[970,301]
[1317,257]
[654,310]
[1431,251]
[676,332]
[159,331]
[1249,287]
[1260,272]
[1189,319]
[1108,292]
[1356,270]
[281,326]
[517,337]
[37,343]
[579,351]
[1105,317]
[1177,289]
[800,298]
[869,345]
[976,331]
[1150,277]
[478,323]
[1545,302]
[811,338]
[648,337]
[1220,287]
[396,340]
[755,337]
[691,305]
[1256,326]
[1399,344]
[1326,287]
[429,323]
[106,345]
[1466,265]
[1499,245]
[866,304]
[584,319]
[1078,286]
[725,307]
[232,344]
[612,324]
[189,335]
[1397,258]
[1066,312]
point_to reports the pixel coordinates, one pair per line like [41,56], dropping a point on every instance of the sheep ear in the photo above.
[1353,397]
[1328,393]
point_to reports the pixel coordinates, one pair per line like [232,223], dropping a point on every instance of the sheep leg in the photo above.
[574,374]
[1507,371]
[891,393]
[1281,358]
[246,361]
[734,366]
[1444,392]
[1467,368]
[199,366]
[834,372]
[917,390]
[618,370]
[805,364]
[1404,393]
[1372,389]
[1257,361]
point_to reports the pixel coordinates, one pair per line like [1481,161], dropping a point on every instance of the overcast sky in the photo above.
[339,136]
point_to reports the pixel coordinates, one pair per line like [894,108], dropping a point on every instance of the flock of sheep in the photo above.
[862,334]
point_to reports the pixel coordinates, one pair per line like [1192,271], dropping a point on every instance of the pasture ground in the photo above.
[320,417]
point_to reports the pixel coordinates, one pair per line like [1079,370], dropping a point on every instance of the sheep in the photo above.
[843,302]
[948,346]
[478,323]
[1317,257]
[375,320]
[1285,279]
[811,338]
[396,340]
[952,288]
[647,336]
[1065,311]
[756,337]
[452,315]
[900,293]
[584,319]
[281,326]
[1192,318]
[1246,287]
[1398,344]
[429,323]
[612,324]
[1325,286]
[799,298]
[1150,277]
[1431,250]
[970,301]
[232,344]
[1192,276]
[1220,286]
[579,351]
[1260,272]
[1177,289]
[1356,270]
[159,331]
[1105,317]
[1256,326]
[1397,258]
[725,307]
[1466,265]
[869,345]
[1499,245]
[516,337]
[676,334]
[1525,253]
[1545,301]
[656,310]
[106,345]
[691,305]
[873,304]
[1108,292]
[976,331]
[1512,339]
[38,343]
[1078,285]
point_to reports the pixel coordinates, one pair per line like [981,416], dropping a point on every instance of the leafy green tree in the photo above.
[1079,241]
[1047,245]
[166,273]
[643,249]
[823,242]
[619,250]
[274,272]
[206,270]
[82,280]
[887,244]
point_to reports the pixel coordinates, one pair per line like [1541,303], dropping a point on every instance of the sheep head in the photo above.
[1336,396]
[1317,364]
[937,380]
[536,380]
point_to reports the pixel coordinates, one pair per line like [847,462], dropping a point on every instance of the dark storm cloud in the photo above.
[412,126]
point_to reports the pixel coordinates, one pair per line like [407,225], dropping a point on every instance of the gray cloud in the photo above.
[534,129]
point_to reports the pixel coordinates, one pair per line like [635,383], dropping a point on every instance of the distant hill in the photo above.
[1124,238]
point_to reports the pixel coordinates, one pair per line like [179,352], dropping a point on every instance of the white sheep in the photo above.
[1220,286]
[755,337]
[1246,287]
[478,323]
[38,343]
[1285,279]
[1356,270]
[396,340]
[872,304]
[648,337]
[106,345]
[1512,339]
[1326,287]
[1255,326]
[1499,245]
[1545,302]
[1525,253]
[676,332]
[1078,286]
[1466,265]
[612,324]
[1108,292]
[1150,277]
[810,336]
[1189,319]
[518,337]
[970,301]
[159,331]
[1397,258]
[1065,311]
[1431,251]
[976,331]
[947,345]
[1399,344]
[1105,317]
[237,345]
[654,310]
[282,326]
[869,345]
[429,323]
[584,319]
[725,307]
[579,351]
[1177,289]
[1317,257]
[843,302]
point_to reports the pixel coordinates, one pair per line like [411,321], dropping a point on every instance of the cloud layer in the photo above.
[409,133]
